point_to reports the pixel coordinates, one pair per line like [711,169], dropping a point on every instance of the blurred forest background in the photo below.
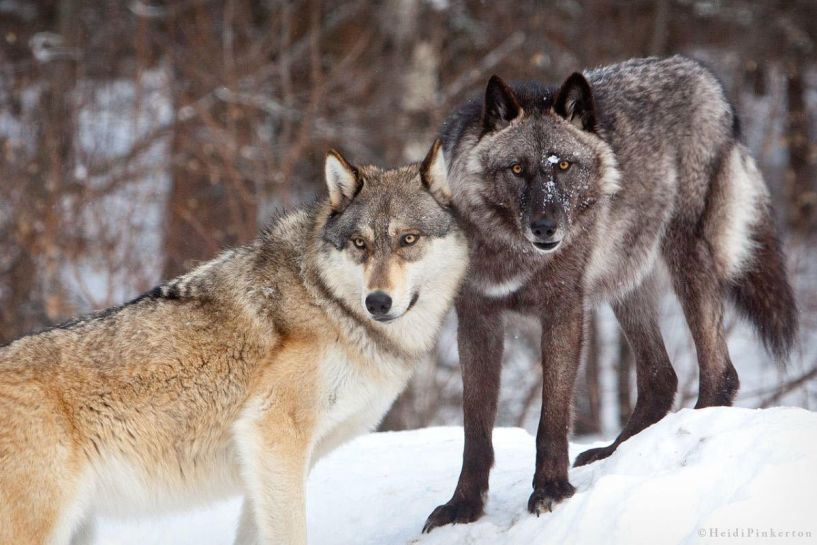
[140,137]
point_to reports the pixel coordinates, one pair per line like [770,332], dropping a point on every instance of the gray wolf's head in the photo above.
[536,169]
[391,242]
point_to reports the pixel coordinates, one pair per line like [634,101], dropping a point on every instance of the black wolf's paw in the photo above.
[456,511]
[545,497]
[593,455]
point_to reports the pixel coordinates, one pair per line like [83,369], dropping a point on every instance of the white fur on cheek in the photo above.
[436,278]
[610,174]
[344,277]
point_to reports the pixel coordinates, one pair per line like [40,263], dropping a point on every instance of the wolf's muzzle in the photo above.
[545,231]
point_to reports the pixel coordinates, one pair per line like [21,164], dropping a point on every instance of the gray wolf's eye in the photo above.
[359,242]
[408,240]
[564,165]
[517,169]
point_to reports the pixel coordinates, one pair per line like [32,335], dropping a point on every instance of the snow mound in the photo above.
[719,475]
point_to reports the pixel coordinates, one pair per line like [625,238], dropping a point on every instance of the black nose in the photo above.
[378,303]
[544,228]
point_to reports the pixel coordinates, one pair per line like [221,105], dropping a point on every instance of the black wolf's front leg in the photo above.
[562,337]
[480,341]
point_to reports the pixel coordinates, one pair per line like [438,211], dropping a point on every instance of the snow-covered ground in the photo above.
[704,476]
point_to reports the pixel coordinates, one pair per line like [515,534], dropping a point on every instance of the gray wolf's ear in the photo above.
[342,180]
[500,107]
[575,103]
[434,174]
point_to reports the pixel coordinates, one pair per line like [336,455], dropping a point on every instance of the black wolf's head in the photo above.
[391,243]
[537,165]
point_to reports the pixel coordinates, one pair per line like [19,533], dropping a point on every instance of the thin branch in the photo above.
[493,58]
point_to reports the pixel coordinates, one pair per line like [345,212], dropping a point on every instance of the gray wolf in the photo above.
[584,193]
[238,376]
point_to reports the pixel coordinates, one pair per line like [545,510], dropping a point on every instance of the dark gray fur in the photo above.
[658,181]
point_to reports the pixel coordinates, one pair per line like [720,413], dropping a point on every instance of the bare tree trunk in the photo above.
[57,160]
[403,16]
[195,210]
[660,34]
[800,176]
[624,368]
[588,397]
[21,311]
[211,206]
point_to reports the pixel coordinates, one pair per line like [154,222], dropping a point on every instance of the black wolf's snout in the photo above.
[378,303]
[546,217]
[544,228]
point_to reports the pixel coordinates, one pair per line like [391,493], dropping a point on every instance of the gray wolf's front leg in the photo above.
[86,533]
[247,529]
[275,460]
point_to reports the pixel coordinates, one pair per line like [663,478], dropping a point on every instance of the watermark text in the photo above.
[754,533]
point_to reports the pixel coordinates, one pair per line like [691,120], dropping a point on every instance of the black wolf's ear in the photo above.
[575,103]
[501,105]
[434,174]
[342,180]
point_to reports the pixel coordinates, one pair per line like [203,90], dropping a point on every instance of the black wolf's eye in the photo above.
[517,169]
[564,165]
[408,240]
[359,242]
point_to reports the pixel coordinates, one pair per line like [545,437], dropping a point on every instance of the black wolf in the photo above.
[584,193]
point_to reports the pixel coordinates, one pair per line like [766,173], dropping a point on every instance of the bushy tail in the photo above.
[762,293]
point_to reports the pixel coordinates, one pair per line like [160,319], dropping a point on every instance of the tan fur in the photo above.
[233,378]
[389,275]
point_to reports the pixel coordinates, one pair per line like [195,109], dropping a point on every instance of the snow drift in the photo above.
[720,475]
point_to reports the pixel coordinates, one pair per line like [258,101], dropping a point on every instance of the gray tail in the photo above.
[762,293]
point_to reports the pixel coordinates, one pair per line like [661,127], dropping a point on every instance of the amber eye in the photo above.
[564,165]
[359,242]
[517,169]
[408,240]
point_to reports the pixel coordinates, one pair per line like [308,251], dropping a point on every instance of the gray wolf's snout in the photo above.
[378,303]
[545,230]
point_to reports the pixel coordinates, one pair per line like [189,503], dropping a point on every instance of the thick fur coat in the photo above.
[585,193]
[236,377]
